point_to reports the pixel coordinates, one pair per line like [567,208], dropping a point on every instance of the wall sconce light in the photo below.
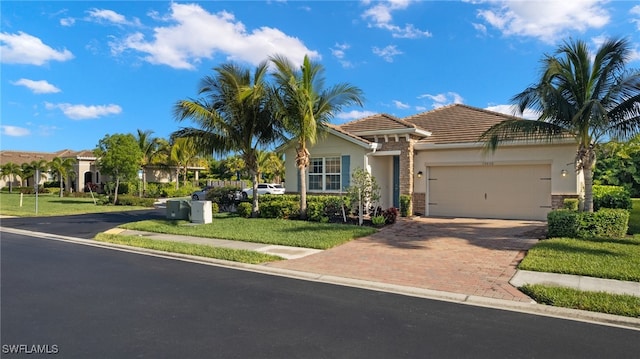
[563,173]
[419,174]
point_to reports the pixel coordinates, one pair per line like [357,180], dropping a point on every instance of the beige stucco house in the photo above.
[436,158]
[85,171]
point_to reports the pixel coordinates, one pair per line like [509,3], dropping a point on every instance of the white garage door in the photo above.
[509,192]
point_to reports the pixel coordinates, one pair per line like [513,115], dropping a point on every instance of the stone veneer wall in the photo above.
[419,203]
[406,161]
[557,200]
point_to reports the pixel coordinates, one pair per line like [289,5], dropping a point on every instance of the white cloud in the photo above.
[443,99]
[83,112]
[14,131]
[354,115]
[380,15]
[512,110]
[339,52]
[635,11]
[387,53]
[110,16]
[400,105]
[41,86]
[22,48]
[421,108]
[545,20]
[67,21]
[195,34]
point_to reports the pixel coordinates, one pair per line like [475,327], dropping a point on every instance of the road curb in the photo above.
[529,308]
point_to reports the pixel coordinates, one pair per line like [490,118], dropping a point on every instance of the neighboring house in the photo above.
[84,172]
[435,157]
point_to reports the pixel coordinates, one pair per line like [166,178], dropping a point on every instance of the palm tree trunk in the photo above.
[588,188]
[61,184]
[255,208]
[302,160]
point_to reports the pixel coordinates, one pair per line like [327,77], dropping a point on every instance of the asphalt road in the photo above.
[81,226]
[92,302]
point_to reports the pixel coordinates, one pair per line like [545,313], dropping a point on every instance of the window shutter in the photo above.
[345,172]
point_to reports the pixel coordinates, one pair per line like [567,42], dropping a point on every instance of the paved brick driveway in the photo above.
[460,255]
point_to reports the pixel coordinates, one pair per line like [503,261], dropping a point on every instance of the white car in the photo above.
[264,188]
[200,195]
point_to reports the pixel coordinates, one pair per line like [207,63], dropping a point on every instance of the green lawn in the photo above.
[53,205]
[260,230]
[617,304]
[201,250]
[601,258]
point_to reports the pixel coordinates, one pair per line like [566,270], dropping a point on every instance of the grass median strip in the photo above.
[601,258]
[260,230]
[617,304]
[201,250]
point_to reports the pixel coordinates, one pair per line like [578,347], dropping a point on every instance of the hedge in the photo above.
[609,223]
[611,197]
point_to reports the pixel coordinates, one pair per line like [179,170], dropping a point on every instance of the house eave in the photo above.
[433,146]
[403,131]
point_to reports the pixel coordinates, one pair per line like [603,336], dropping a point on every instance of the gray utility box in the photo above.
[201,212]
[178,209]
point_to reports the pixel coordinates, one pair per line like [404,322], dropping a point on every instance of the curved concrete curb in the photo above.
[591,284]
[529,308]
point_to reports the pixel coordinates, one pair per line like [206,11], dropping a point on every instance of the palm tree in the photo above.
[305,107]
[579,96]
[271,165]
[183,154]
[33,169]
[234,115]
[63,167]
[149,146]
[9,171]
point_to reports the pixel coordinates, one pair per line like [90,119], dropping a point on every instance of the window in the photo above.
[324,174]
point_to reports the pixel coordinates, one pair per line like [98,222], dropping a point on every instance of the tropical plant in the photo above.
[363,193]
[33,170]
[305,107]
[62,168]
[9,172]
[183,154]
[584,97]
[118,156]
[619,165]
[271,166]
[233,116]
[150,147]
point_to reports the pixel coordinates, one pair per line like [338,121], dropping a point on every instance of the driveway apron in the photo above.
[459,255]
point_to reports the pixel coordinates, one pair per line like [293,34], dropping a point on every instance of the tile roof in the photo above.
[456,123]
[20,157]
[377,122]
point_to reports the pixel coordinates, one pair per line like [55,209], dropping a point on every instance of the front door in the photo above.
[396,181]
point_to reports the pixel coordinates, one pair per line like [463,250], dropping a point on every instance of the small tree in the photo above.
[62,168]
[118,156]
[363,192]
[9,171]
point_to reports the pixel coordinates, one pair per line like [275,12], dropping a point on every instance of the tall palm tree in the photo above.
[183,154]
[588,98]
[9,172]
[63,167]
[305,107]
[149,146]
[234,115]
[271,165]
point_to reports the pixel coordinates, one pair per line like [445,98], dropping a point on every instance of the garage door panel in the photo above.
[518,192]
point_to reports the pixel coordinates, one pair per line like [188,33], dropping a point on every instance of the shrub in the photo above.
[315,210]
[390,215]
[405,205]
[571,204]
[128,200]
[611,197]
[610,223]
[215,208]
[279,209]
[244,209]
[378,221]
[562,223]
[225,197]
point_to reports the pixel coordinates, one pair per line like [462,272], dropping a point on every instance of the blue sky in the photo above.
[73,71]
